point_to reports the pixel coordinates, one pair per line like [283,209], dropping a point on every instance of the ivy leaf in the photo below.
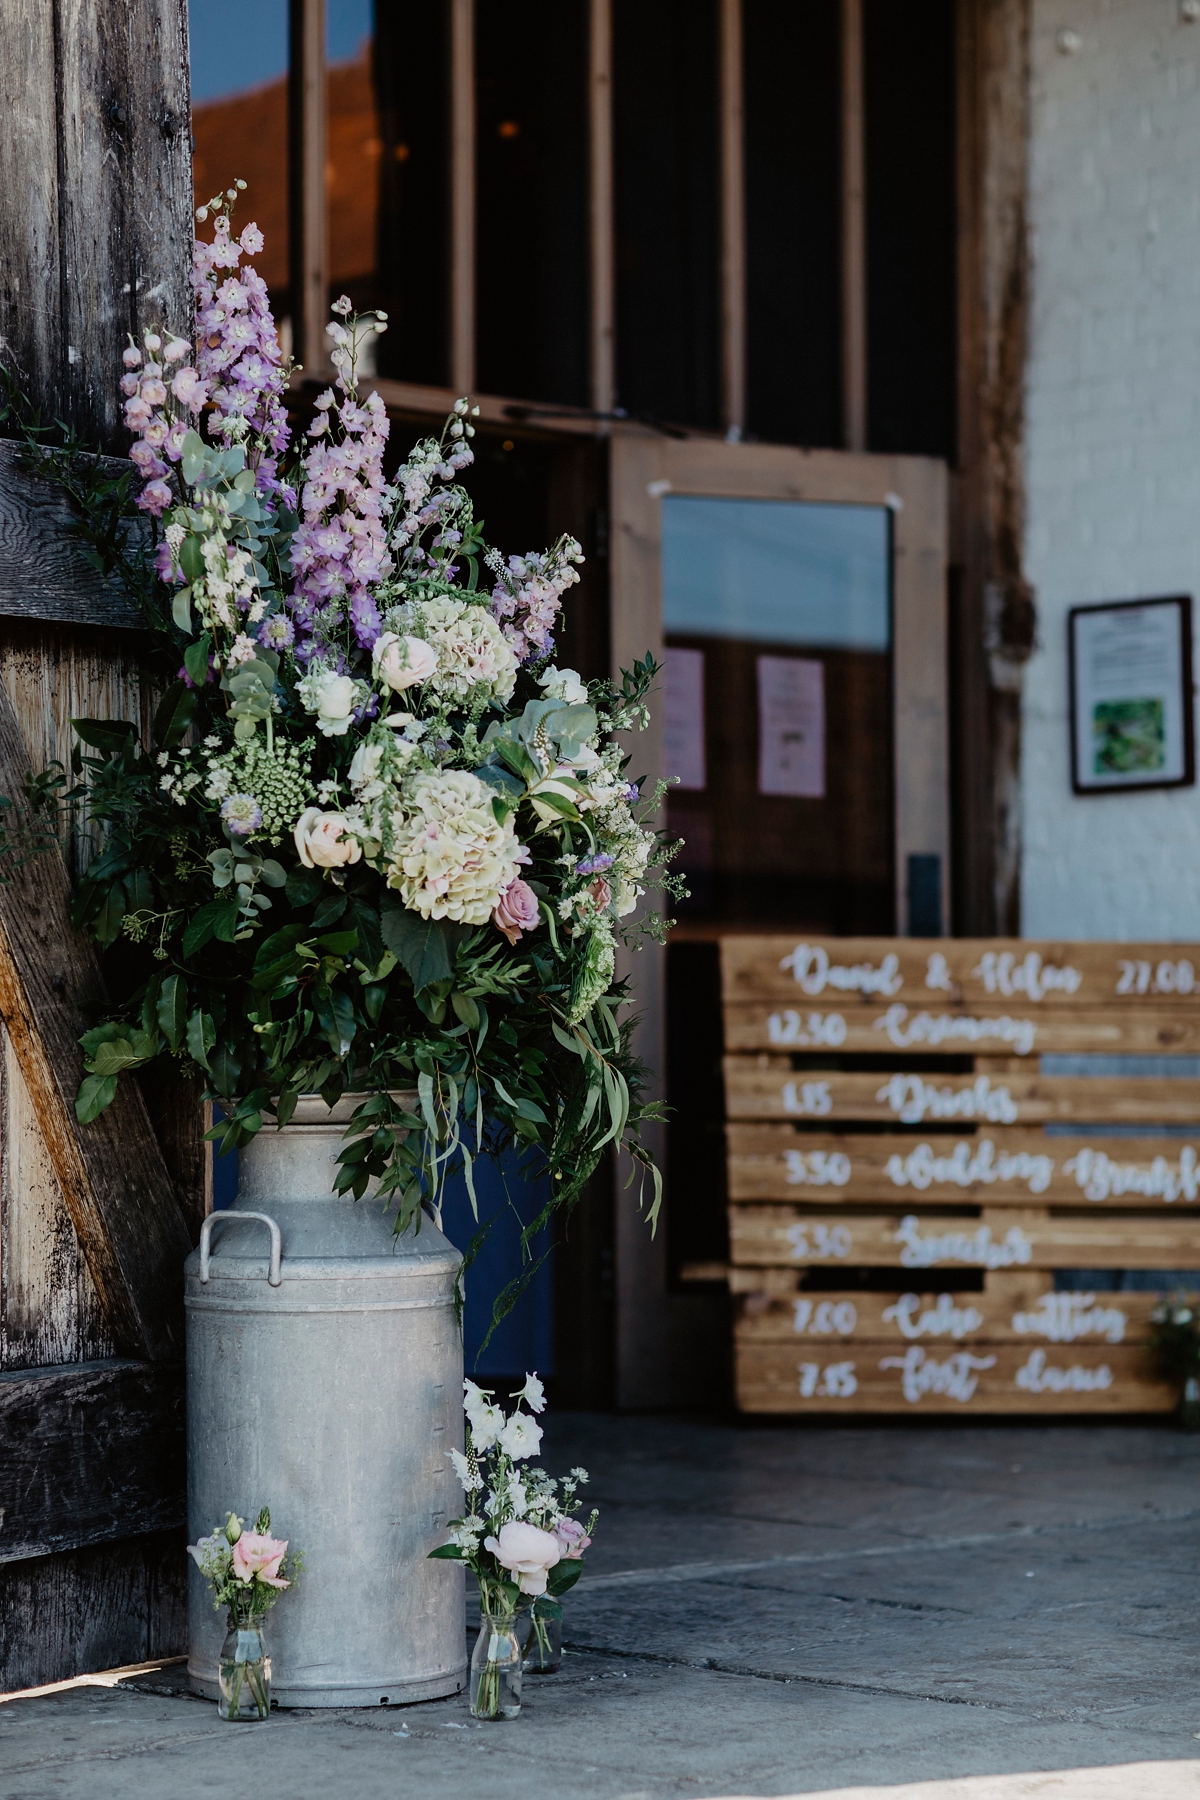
[217,919]
[335,1015]
[424,946]
[115,1055]
[303,887]
[225,1068]
[95,1093]
[109,735]
[195,660]
[172,1010]
[201,1036]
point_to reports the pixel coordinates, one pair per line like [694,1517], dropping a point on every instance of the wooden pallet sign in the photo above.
[994,1168]
[926,1171]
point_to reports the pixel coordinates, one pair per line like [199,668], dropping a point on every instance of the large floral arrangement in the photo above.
[380,841]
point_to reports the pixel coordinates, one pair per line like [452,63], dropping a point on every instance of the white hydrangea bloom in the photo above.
[451,859]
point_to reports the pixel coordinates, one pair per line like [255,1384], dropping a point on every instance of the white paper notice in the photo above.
[683,718]
[791,727]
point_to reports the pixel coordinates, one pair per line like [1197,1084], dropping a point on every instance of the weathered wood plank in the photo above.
[1000,1378]
[102,1608]
[89,1452]
[953,972]
[49,1309]
[44,573]
[931,1030]
[1012,1309]
[766,1088]
[778,1162]
[111,1173]
[94,138]
[788,1237]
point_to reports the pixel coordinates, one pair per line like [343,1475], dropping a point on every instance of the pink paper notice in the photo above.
[791,727]
[683,718]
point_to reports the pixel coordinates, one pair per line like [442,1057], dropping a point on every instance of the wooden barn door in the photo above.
[95,227]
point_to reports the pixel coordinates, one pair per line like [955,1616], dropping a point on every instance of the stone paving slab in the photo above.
[984,1614]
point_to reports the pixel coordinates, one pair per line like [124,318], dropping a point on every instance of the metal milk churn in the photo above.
[324,1374]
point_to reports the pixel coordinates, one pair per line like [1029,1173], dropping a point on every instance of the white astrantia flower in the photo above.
[521,1437]
[451,858]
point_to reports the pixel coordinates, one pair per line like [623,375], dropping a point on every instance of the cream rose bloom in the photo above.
[526,1552]
[321,840]
[451,859]
[332,697]
[403,661]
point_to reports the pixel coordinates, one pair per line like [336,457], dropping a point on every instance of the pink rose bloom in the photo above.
[254,1554]
[321,841]
[403,662]
[516,910]
[601,893]
[527,1553]
[572,1537]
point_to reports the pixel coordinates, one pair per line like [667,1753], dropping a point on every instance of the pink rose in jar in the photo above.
[256,1554]
[572,1537]
[527,1552]
[516,910]
[321,840]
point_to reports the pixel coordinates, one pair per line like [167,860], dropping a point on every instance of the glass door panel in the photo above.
[778,718]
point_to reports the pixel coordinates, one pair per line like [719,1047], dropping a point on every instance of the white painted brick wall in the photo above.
[1113,434]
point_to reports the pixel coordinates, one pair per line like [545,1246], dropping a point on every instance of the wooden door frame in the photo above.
[654,1326]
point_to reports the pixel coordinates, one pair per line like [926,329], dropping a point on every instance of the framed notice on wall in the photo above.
[1131,695]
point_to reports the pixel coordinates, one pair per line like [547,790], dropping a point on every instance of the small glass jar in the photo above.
[541,1638]
[496,1666]
[244,1672]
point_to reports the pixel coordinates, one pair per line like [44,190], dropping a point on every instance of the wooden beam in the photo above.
[733,223]
[44,573]
[600,144]
[112,1174]
[854,233]
[994,625]
[462,195]
[105,1607]
[308,249]
[89,1452]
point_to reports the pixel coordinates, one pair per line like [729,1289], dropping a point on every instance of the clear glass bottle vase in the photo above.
[496,1664]
[541,1637]
[244,1672]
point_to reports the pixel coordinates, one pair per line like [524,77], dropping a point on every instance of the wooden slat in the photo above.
[1012,1309]
[100,1608]
[49,1310]
[94,137]
[763,1236]
[89,1452]
[967,1030]
[1001,1378]
[777,1162]
[111,1173]
[44,573]
[851,972]
[753,1091]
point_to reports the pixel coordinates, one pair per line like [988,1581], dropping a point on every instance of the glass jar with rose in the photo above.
[245,1574]
[522,1541]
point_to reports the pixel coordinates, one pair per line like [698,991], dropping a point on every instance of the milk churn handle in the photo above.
[274,1273]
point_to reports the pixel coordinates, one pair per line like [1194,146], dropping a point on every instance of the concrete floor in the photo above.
[979,1613]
